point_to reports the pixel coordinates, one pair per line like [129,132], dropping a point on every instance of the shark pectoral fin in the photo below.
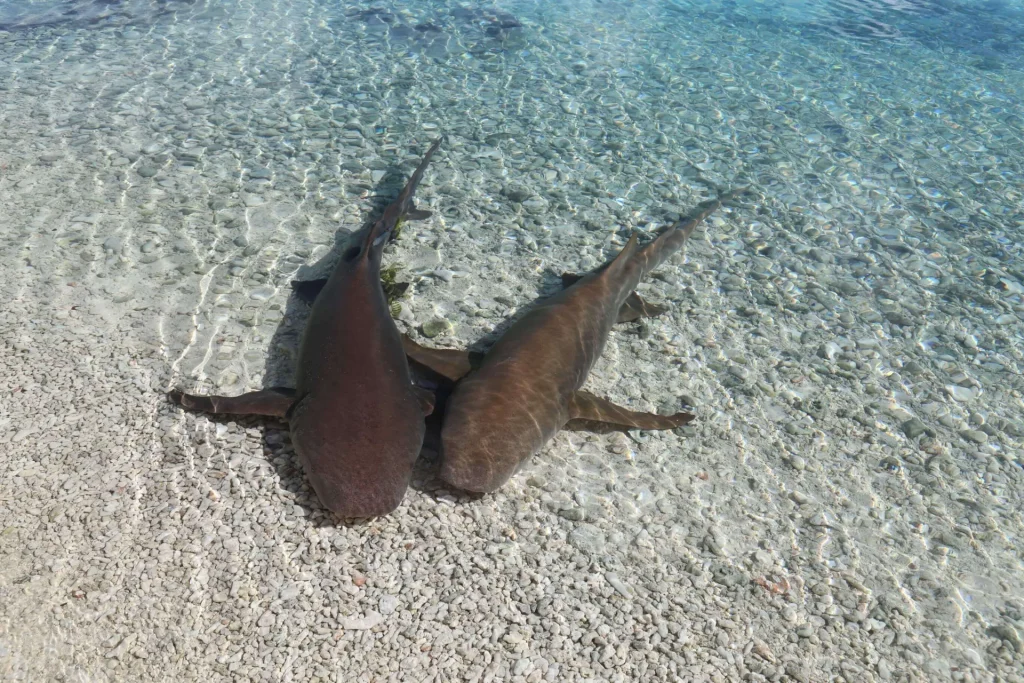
[569,279]
[592,414]
[418,215]
[395,290]
[426,399]
[273,402]
[635,308]
[307,290]
[451,364]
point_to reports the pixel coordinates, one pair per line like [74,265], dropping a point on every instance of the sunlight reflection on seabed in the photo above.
[850,336]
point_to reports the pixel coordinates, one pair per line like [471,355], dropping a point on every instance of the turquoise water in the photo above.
[848,502]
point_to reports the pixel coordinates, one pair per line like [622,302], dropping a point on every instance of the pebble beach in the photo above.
[848,504]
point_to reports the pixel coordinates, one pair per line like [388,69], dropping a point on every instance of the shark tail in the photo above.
[656,252]
[401,208]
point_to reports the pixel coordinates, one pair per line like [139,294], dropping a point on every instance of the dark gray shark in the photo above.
[512,400]
[357,421]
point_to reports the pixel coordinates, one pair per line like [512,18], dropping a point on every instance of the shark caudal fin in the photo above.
[400,209]
[634,262]
[656,252]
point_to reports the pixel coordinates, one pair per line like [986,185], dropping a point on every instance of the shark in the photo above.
[508,403]
[356,419]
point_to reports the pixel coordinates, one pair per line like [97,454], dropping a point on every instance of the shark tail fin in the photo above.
[656,252]
[401,208]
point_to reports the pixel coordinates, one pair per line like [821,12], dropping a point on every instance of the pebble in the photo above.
[388,604]
[588,539]
[740,372]
[423,260]
[517,193]
[363,623]
[975,435]
[884,670]
[960,393]
[573,514]
[798,671]
[829,350]
[23,433]
[444,274]
[913,368]
[535,205]
[914,428]
[1010,636]
[195,542]
[797,429]
[436,327]
[617,583]
[936,669]
[114,243]
[262,293]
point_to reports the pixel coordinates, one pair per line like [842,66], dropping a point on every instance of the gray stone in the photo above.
[517,193]
[975,435]
[114,243]
[914,428]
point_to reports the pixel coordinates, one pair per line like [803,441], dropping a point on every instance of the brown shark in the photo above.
[356,420]
[511,401]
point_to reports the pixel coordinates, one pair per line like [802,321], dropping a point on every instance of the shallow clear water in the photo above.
[850,334]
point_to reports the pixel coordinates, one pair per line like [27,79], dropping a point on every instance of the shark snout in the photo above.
[470,477]
[358,497]
[485,438]
[470,463]
[360,501]
[359,482]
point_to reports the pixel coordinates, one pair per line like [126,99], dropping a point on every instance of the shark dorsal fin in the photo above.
[622,259]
